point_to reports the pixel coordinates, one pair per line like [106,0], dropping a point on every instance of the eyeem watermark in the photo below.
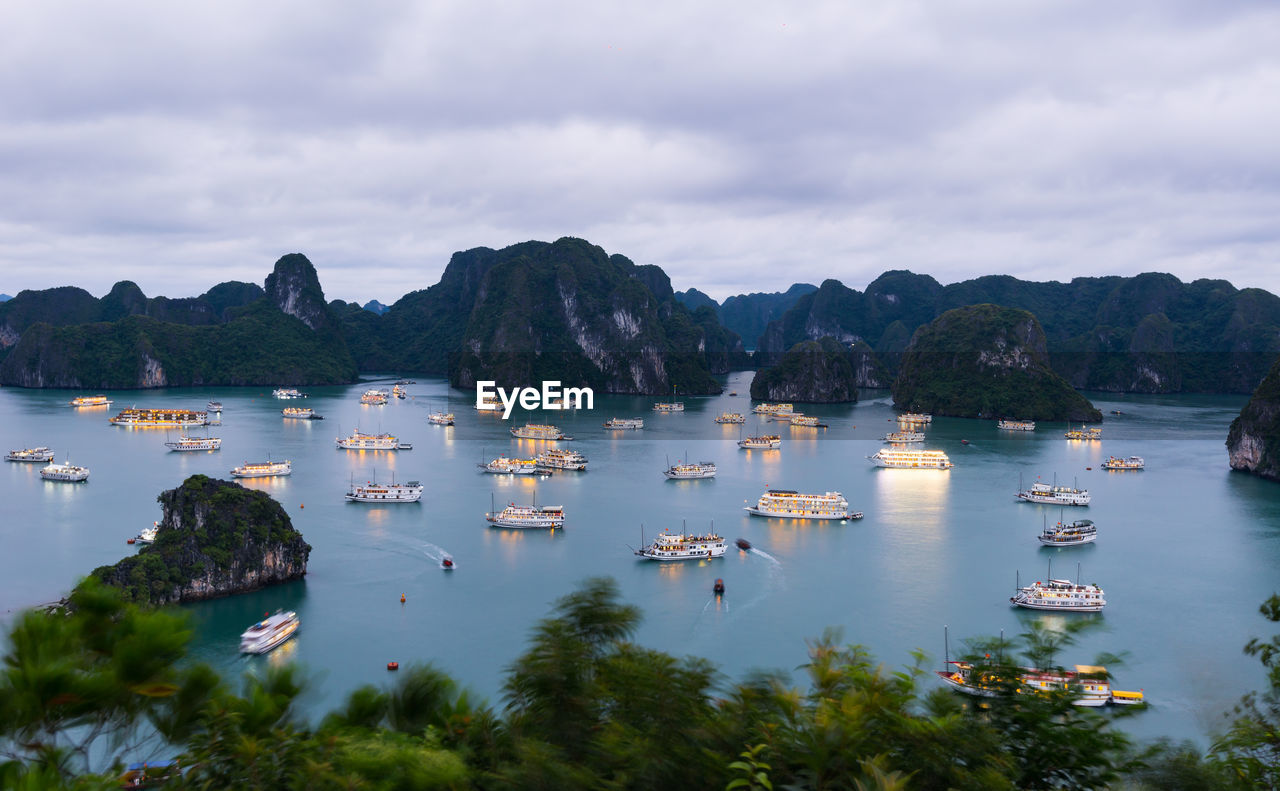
[489,396]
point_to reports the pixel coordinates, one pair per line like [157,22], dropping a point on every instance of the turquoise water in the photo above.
[1187,550]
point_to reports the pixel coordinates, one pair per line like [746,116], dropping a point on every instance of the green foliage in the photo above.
[1260,421]
[813,371]
[1250,751]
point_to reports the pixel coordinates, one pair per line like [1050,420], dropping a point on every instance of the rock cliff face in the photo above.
[294,287]
[986,361]
[811,372]
[1253,442]
[217,538]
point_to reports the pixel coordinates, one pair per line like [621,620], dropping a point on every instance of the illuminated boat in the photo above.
[361,441]
[441,418]
[188,444]
[1046,494]
[66,473]
[285,393]
[915,417]
[807,421]
[268,633]
[262,469]
[773,409]
[1016,425]
[41,454]
[1091,433]
[1131,463]
[1071,534]
[538,431]
[298,412]
[682,546]
[624,423]
[562,459]
[731,417]
[1089,685]
[373,398]
[93,400]
[790,504]
[669,406]
[392,492]
[903,437]
[160,418]
[688,470]
[508,466]
[527,516]
[763,442]
[1060,596]
[898,459]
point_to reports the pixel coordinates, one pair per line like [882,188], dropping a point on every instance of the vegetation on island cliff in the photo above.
[1253,441]
[812,372]
[216,538]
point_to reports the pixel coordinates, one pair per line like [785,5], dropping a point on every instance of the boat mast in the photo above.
[946,649]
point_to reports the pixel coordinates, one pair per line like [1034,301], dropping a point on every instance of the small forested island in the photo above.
[823,371]
[1253,441]
[216,538]
[986,361]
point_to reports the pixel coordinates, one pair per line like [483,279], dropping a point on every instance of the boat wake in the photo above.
[436,553]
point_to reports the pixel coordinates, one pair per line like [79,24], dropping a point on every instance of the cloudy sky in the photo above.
[742,146]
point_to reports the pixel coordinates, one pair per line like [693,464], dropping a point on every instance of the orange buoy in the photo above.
[302,505]
[402,598]
[129,540]
[393,666]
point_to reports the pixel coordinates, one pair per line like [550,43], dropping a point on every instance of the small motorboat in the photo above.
[733,392]
[743,544]
[1116,412]
[447,564]
[718,588]
[964,442]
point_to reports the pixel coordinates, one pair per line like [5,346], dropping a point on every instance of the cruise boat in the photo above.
[93,400]
[187,444]
[1131,463]
[688,470]
[361,441]
[285,393]
[489,403]
[624,423]
[147,535]
[30,454]
[393,492]
[731,417]
[669,406]
[1060,596]
[1072,534]
[1092,432]
[398,391]
[538,431]
[682,546]
[807,421]
[268,633]
[773,409]
[441,418]
[66,472]
[373,398]
[1089,684]
[911,459]
[160,418]
[262,469]
[762,442]
[562,459]
[1047,494]
[904,436]
[1016,425]
[508,466]
[790,504]
[527,516]
[214,406]
[299,412]
[915,417]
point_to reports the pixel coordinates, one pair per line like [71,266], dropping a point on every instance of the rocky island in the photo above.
[986,361]
[217,538]
[1253,440]
[823,371]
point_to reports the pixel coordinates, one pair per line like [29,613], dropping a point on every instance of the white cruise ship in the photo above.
[361,441]
[392,492]
[915,417]
[508,466]
[262,469]
[441,418]
[898,437]
[1060,596]
[562,459]
[1016,425]
[1071,534]
[790,504]
[669,406]
[269,633]
[1090,433]
[188,444]
[807,421]
[731,417]
[489,403]
[774,409]
[688,470]
[298,412]
[538,431]
[160,418]
[527,516]
[896,458]
[1131,463]
[41,454]
[1047,494]
[66,472]
[681,546]
[763,442]
[373,398]
[1088,684]
[626,423]
[93,400]
[285,393]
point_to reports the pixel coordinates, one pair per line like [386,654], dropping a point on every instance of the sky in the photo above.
[742,146]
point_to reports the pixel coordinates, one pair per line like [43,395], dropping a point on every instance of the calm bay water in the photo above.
[1186,551]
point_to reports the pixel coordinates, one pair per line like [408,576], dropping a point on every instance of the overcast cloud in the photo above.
[742,146]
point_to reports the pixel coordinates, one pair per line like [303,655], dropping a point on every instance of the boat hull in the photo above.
[680,476]
[755,511]
[648,554]
[1032,604]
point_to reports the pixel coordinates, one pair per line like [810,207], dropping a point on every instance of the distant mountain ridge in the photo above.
[747,314]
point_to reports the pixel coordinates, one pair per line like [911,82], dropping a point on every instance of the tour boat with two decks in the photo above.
[285,393]
[1131,463]
[731,417]
[300,413]
[807,421]
[489,403]
[441,418]
[65,472]
[1059,595]
[624,423]
[774,409]
[393,492]
[1016,425]
[914,417]
[373,398]
[361,441]
[527,516]
[669,406]
[762,442]
[187,444]
[41,454]
[1064,534]
[1046,494]
[1090,433]
[398,391]
[214,407]
[93,400]
[790,504]
[262,469]
[509,466]
[160,418]
[689,470]
[561,459]
[682,546]
[1089,685]
[903,437]
[268,633]
[539,431]
[900,459]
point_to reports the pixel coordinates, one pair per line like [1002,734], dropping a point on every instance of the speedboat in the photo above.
[268,633]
